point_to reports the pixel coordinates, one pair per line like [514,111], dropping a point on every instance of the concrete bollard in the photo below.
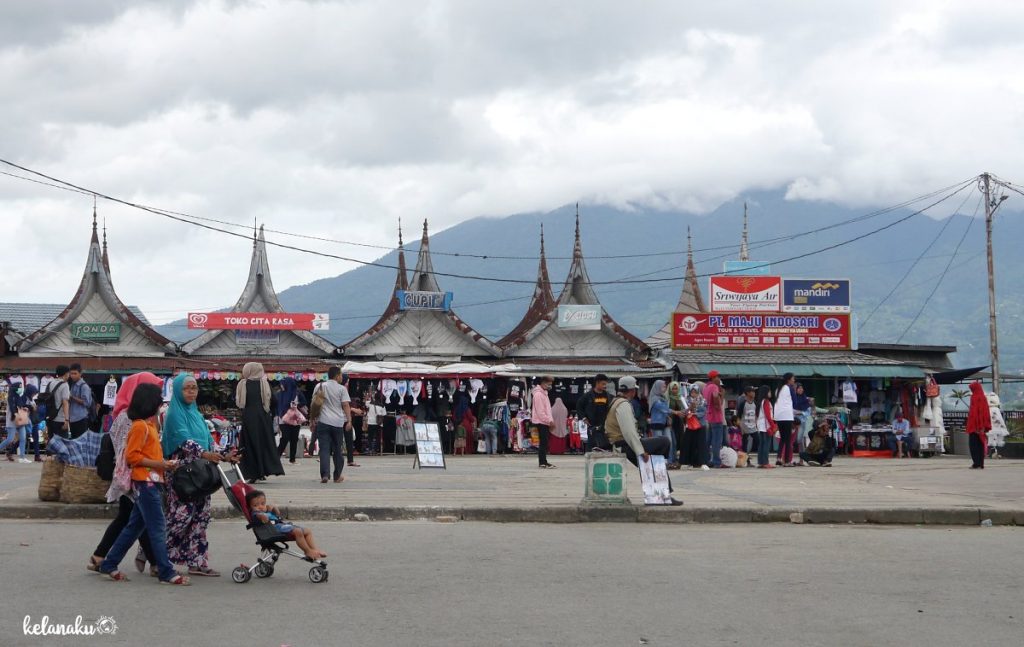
[605,479]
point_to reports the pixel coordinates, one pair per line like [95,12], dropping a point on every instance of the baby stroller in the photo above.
[272,543]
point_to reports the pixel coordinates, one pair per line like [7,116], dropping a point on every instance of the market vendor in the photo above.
[899,442]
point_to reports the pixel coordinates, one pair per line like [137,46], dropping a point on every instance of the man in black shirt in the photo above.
[593,407]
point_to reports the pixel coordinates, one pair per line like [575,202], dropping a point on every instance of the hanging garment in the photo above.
[474,388]
[168,389]
[997,435]
[415,388]
[387,388]
[850,392]
[33,380]
[560,419]
[110,392]
[402,387]
[430,390]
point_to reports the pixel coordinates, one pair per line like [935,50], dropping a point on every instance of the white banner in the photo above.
[579,317]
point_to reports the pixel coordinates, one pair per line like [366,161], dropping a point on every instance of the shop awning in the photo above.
[954,377]
[814,370]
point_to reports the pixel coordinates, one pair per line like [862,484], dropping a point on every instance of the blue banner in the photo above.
[816,295]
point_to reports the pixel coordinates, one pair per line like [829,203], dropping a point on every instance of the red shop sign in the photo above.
[756,330]
[250,320]
[746,294]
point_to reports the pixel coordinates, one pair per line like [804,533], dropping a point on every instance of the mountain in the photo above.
[957,314]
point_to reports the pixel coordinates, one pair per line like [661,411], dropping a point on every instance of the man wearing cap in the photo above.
[621,430]
[715,399]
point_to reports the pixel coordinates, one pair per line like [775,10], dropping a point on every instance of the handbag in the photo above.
[196,480]
[293,416]
[105,459]
[481,447]
[21,418]
[317,403]
[693,423]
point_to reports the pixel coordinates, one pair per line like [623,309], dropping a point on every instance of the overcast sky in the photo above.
[335,118]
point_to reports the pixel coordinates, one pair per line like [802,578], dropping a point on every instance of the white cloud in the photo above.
[336,118]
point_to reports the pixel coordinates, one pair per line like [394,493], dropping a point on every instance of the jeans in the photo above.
[764,447]
[124,513]
[329,438]
[491,441]
[290,438]
[596,438]
[824,457]
[785,455]
[148,516]
[658,445]
[661,431]
[716,436]
[542,453]
[21,433]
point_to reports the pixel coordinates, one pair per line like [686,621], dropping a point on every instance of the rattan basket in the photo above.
[83,485]
[49,480]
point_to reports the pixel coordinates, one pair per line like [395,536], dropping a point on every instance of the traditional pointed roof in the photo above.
[611,340]
[419,334]
[542,304]
[744,246]
[690,299]
[96,302]
[259,296]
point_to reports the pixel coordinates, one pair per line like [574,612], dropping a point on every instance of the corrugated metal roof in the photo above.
[26,318]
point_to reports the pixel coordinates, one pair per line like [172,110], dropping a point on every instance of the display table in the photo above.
[869,442]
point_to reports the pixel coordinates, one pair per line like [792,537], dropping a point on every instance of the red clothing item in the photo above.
[979,418]
[766,405]
[715,415]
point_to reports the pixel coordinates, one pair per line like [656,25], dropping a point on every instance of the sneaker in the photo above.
[814,463]
[676,502]
[827,465]
[705,468]
[24,460]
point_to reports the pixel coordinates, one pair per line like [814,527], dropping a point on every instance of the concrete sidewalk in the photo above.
[940,490]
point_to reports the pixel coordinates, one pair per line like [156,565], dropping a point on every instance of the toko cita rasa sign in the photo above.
[579,317]
[258,321]
[746,293]
[751,330]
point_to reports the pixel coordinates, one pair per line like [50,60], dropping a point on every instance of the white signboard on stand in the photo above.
[429,452]
[654,478]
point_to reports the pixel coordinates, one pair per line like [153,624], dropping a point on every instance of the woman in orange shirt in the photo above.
[145,456]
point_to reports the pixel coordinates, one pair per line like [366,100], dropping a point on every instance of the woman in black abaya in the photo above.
[260,458]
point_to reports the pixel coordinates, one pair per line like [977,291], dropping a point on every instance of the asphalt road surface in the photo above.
[428,583]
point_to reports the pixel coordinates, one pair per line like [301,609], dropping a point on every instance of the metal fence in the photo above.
[959,418]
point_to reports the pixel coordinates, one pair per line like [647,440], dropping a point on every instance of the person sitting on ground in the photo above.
[821,450]
[261,512]
[900,441]
[621,430]
[734,435]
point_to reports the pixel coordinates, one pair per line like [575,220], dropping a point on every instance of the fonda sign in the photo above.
[579,317]
[753,330]
[746,293]
[258,321]
[415,300]
[96,332]
[816,295]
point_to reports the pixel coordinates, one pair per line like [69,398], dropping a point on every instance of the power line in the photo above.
[910,269]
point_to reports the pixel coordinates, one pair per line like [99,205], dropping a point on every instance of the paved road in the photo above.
[496,483]
[427,583]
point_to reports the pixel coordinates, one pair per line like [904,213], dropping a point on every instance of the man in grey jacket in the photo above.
[621,428]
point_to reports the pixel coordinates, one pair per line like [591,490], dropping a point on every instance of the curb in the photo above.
[963,516]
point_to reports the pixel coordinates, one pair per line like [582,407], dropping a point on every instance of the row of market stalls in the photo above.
[420,358]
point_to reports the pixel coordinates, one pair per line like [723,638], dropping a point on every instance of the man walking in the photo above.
[80,402]
[335,419]
[57,399]
[593,407]
[620,427]
[715,399]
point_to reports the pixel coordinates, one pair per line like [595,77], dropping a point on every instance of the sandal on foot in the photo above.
[93,564]
[177,580]
[154,571]
[117,576]
[206,571]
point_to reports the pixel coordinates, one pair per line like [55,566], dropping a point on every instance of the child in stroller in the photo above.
[260,510]
[272,534]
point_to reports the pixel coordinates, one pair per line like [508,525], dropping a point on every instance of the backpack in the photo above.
[105,459]
[49,401]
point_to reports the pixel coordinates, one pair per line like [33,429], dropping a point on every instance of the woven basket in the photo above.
[49,480]
[82,485]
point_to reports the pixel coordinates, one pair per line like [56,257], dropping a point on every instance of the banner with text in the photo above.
[579,317]
[417,300]
[258,321]
[752,330]
[746,293]
[815,295]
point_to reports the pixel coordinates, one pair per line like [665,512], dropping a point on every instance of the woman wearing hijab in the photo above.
[677,420]
[695,444]
[19,398]
[979,423]
[290,396]
[660,414]
[186,438]
[120,490]
[260,457]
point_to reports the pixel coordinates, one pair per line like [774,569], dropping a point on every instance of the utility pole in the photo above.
[990,209]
